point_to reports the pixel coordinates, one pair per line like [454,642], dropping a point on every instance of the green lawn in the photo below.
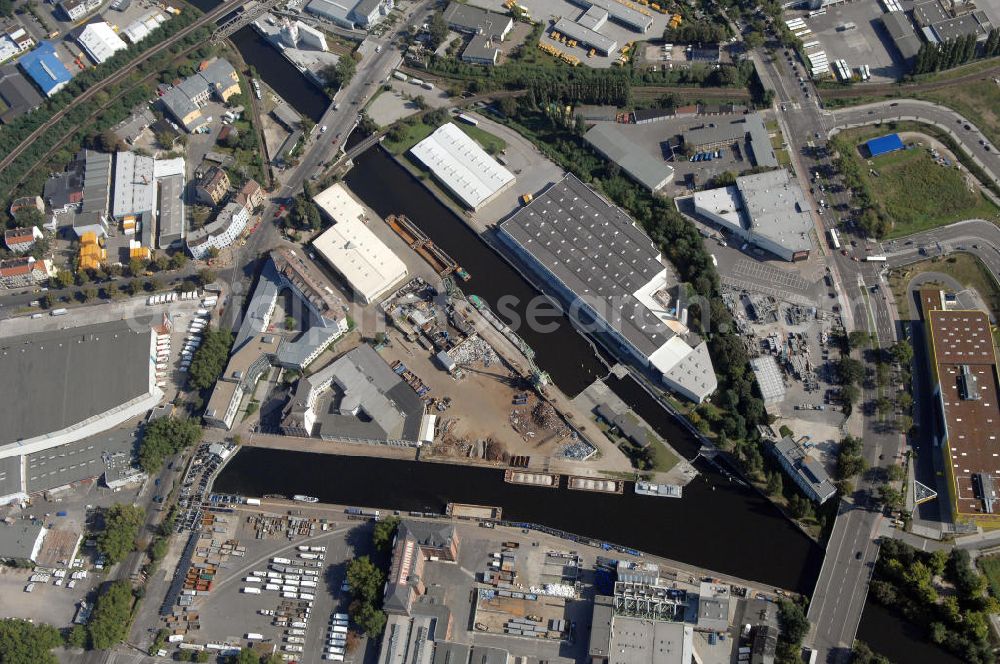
[415,132]
[965,268]
[990,567]
[492,144]
[917,193]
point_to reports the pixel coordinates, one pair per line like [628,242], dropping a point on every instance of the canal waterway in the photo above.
[718,524]
[705,528]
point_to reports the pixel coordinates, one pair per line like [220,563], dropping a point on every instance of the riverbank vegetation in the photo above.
[941,593]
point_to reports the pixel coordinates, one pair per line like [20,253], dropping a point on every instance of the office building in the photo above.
[464,168]
[244,369]
[100,42]
[965,392]
[20,240]
[368,266]
[45,69]
[25,271]
[611,278]
[416,542]
[766,209]
[612,140]
[807,473]
[76,9]
[105,371]
[356,398]
[227,226]
[212,187]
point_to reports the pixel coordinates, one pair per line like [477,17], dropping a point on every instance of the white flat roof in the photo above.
[100,41]
[351,248]
[166,167]
[461,165]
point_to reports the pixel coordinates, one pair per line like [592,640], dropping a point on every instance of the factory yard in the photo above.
[867,43]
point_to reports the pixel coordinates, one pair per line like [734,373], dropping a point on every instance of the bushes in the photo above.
[210,358]
[166,436]
[112,614]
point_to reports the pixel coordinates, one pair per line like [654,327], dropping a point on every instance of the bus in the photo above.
[875,259]
[834,238]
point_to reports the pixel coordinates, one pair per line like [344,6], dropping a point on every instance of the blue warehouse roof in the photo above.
[45,68]
[884,144]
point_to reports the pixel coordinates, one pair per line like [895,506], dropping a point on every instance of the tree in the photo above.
[863,655]
[365,579]
[247,656]
[438,30]
[178,260]
[107,141]
[858,339]
[111,291]
[76,637]
[206,276]
[890,496]
[384,533]
[210,358]
[901,352]
[164,437]
[340,74]
[774,484]
[109,623]
[368,618]
[850,371]
[121,527]
[22,642]
[88,293]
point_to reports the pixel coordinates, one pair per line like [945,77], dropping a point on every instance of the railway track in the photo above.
[906,89]
[117,77]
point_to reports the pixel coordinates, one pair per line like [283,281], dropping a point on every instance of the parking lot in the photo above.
[866,44]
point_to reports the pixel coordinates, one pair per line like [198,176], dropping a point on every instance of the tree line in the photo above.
[954,52]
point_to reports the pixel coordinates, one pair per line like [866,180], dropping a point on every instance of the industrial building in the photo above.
[766,209]
[170,212]
[99,41]
[369,267]
[612,141]
[884,145]
[184,101]
[748,131]
[807,473]
[624,639]
[472,20]
[481,50]
[356,398]
[21,542]
[965,384]
[940,22]
[105,374]
[464,168]
[255,348]
[129,129]
[141,28]
[134,185]
[769,378]
[608,273]
[351,14]
[629,15]
[588,37]
[902,33]
[221,232]
[16,93]
[45,69]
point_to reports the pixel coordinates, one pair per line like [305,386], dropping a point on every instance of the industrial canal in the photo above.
[719,524]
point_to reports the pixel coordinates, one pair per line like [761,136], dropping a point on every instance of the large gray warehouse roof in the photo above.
[64,377]
[597,251]
[18,540]
[80,460]
[902,33]
[610,139]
